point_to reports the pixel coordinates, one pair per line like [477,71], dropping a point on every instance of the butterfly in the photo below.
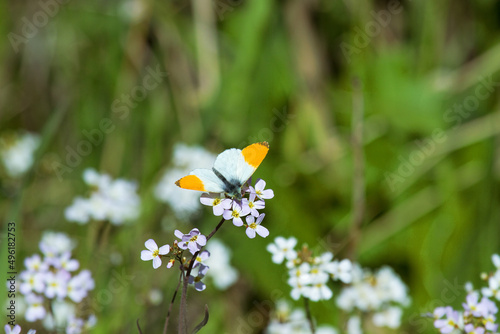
[232,169]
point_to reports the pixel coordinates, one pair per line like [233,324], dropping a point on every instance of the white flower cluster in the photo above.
[309,274]
[52,278]
[284,320]
[17,152]
[479,312]
[185,159]
[116,201]
[382,293]
[222,273]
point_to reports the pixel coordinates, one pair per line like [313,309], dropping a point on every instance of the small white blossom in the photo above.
[17,152]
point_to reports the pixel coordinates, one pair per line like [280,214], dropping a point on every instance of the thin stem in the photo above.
[182,311]
[172,303]
[185,278]
[358,182]
[309,316]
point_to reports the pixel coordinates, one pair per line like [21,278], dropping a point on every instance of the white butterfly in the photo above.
[230,172]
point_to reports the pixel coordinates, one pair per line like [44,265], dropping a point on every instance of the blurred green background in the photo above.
[421,75]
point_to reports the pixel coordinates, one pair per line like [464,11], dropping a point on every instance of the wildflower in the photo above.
[56,284]
[319,290]
[116,201]
[354,325]
[222,273]
[217,201]
[54,244]
[31,281]
[254,205]
[17,152]
[493,289]
[448,324]
[254,227]
[193,241]
[495,258]
[66,262]
[259,190]
[469,328]
[15,330]
[154,253]
[35,264]
[201,258]
[340,270]
[390,317]
[196,280]
[35,309]
[238,211]
[282,249]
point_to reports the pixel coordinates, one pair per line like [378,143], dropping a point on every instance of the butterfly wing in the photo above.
[202,180]
[238,165]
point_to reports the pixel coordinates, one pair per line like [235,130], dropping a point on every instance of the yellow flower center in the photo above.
[198,259]
[251,205]
[216,201]
[253,225]
[258,192]
[193,239]
[235,214]
[156,253]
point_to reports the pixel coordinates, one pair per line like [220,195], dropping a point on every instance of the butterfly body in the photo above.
[230,172]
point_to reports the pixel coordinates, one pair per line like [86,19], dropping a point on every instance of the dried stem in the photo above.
[185,277]
[171,304]
[358,183]
[309,316]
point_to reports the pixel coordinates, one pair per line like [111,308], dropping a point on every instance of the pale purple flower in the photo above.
[31,281]
[254,205]
[216,201]
[469,328]
[238,211]
[472,305]
[56,284]
[15,330]
[84,280]
[255,227]
[193,241]
[77,289]
[35,263]
[75,326]
[495,258]
[448,324]
[154,253]
[65,262]
[35,309]
[259,190]
[493,289]
[201,258]
[282,249]
[196,280]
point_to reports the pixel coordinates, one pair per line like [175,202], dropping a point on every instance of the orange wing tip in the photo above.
[255,153]
[191,182]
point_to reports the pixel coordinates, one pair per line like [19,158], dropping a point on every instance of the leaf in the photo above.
[202,323]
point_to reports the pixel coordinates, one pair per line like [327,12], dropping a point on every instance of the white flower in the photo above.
[319,290]
[116,201]
[35,309]
[154,253]
[354,325]
[222,273]
[62,312]
[56,284]
[17,152]
[391,317]
[282,249]
[196,280]
[14,330]
[255,227]
[495,258]
[31,282]
[75,326]
[493,289]
[35,263]
[54,244]
[184,158]
[340,270]
[217,201]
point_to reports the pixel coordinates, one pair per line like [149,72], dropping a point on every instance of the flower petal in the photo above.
[250,232]
[164,249]
[156,262]
[262,231]
[151,245]
[146,255]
